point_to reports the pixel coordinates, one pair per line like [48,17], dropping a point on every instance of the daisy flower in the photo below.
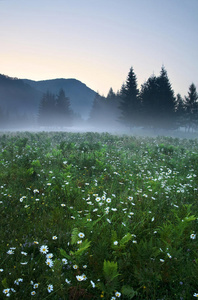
[64,260]
[93,284]
[49,262]
[49,255]
[79,277]
[44,249]
[193,236]
[115,243]
[117,294]
[195,295]
[35,286]
[67,281]
[108,200]
[6,291]
[54,237]
[10,252]
[81,235]
[50,288]
[33,293]
[75,267]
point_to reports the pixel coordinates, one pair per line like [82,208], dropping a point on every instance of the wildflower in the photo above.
[35,191]
[36,243]
[64,260]
[24,253]
[89,220]
[18,280]
[79,277]
[48,183]
[195,295]
[54,237]
[50,288]
[93,284]
[108,200]
[79,242]
[6,291]
[81,235]
[85,266]
[35,286]
[24,263]
[108,221]
[50,255]
[130,198]
[1,270]
[134,242]
[98,199]
[115,243]
[84,276]
[113,298]
[162,260]
[117,294]
[193,236]
[63,204]
[33,293]
[67,281]
[152,219]
[44,249]
[10,252]
[75,267]
[49,262]
[169,255]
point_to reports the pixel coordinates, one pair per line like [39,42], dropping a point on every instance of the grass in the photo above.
[91,216]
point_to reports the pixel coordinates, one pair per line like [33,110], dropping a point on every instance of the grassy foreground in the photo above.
[91,216]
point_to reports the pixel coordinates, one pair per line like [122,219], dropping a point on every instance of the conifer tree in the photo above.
[63,111]
[158,102]
[191,105]
[167,101]
[47,108]
[130,104]
[180,111]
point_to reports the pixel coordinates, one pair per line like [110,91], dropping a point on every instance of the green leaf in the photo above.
[83,247]
[126,238]
[4,283]
[64,254]
[74,236]
[128,291]
[110,270]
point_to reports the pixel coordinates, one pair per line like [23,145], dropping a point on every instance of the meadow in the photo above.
[95,215]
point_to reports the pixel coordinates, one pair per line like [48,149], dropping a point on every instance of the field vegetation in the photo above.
[92,216]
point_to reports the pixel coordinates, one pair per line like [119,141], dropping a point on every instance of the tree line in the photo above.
[154,106]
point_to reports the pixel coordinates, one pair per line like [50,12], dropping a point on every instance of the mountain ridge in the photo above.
[24,95]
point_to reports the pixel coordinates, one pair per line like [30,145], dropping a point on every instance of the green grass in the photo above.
[118,214]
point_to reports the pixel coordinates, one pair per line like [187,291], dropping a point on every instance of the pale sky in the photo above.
[97,41]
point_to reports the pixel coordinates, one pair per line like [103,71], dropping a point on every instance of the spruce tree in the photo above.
[47,107]
[63,111]
[158,102]
[150,102]
[130,104]
[191,105]
[180,111]
[166,101]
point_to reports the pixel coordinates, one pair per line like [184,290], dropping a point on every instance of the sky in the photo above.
[98,41]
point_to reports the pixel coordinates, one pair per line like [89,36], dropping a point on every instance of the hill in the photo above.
[22,96]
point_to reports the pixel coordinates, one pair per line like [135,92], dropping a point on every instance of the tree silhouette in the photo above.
[191,106]
[54,110]
[180,111]
[158,102]
[130,104]
[63,111]
[47,107]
